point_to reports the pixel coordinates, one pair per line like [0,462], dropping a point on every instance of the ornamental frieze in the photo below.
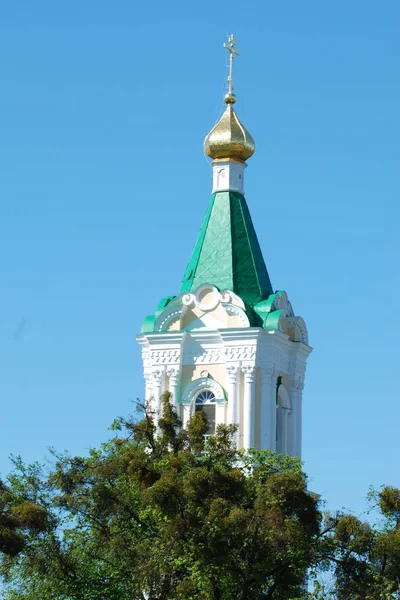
[165,357]
[219,355]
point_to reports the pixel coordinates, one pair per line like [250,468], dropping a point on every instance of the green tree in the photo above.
[20,518]
[363,559]
[162,517]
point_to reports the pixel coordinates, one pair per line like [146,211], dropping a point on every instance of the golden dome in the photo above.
[229,138]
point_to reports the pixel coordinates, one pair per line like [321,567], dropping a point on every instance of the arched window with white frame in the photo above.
[282,412]
[207,395]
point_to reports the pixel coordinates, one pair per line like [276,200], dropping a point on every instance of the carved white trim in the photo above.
[268,373]
[167,317]
[235,311]
[204,356]
[240,352]
[299,383]
[148,378]
[204,383]
[300,324]
[232,372]
[229,297]
[212,302]
[249,373]
[164,357]
[282,303]
[232,304]
[173,374]
[289,309]
[226,297]
[157,378]
[146,357]
[188,299]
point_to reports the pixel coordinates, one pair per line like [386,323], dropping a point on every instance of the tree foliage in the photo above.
[363,559]
[160,515]
[20,516]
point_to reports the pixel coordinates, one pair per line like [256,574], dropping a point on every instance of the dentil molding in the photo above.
[165,357]
[219,355]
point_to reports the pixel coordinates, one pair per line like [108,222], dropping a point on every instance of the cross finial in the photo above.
[230,46]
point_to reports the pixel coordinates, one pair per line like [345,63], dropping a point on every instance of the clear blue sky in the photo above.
[103,186]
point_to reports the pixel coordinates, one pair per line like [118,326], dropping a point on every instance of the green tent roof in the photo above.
[227,253]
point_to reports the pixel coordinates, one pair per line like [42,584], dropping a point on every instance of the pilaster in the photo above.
[233,417]
[148,393]
[295,418]
[268,408]
[174,374]
[248,406]
[232,371]
[158,377]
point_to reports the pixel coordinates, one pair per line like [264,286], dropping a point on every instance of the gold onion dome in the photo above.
[229,139]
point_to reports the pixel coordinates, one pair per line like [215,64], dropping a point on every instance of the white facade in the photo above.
[228,175]
[203,342]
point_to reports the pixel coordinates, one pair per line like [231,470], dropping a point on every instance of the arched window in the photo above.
[282,412]
[221,177]
[204,394]
[206,402]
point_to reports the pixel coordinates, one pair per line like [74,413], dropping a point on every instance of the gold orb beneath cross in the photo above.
[229,139]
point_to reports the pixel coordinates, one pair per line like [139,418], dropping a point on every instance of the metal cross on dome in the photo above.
[230,46]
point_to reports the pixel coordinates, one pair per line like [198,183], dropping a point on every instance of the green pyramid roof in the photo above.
[227,253]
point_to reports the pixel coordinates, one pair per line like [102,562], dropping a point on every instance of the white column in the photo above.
[295,417]
[233,405]
[186,414]
[219,413]
[173,374]
[148,393]
[158,377]
[248,407]
[268,408]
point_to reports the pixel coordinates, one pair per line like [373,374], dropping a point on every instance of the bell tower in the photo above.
[227,343]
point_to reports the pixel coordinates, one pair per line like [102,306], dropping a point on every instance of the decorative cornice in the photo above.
[240,352]
[164,357]
[201,356]
[241,336]
[162,338]
[218,355]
